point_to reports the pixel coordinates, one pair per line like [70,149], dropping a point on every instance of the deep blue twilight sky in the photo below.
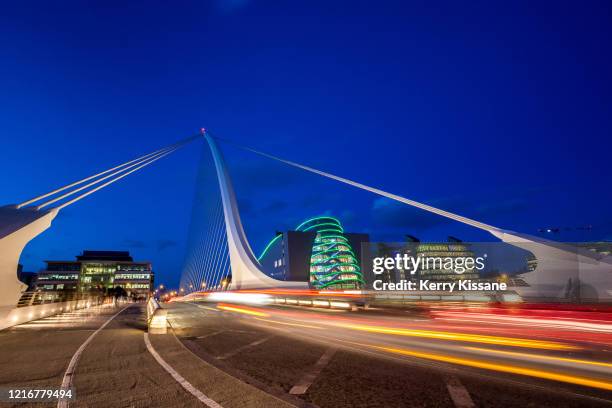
[496,111]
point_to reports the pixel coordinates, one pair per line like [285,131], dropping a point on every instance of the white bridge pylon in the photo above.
[20,223]
[559,265]
[246,273]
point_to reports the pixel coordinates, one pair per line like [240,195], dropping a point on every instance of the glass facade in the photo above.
[102,276]
[96,276]
[435,271]
[333,264]
[59,276]
[134,278]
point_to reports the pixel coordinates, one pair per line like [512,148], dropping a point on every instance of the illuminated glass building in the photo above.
[390,250]
[98,271]
[318,251]
[454,248]
[59,276]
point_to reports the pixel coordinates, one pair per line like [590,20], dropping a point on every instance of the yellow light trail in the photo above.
[472,338]
[541,357]
[548,375]
[289,324]
[242,310]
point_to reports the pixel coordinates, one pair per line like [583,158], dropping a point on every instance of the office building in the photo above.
[454,248]
[99,272]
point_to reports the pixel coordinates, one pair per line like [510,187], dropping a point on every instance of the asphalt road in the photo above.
[254,356]
[346,359]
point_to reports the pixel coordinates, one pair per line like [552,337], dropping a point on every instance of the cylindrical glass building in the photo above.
[333,264]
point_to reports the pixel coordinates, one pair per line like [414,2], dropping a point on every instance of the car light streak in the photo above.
[548,375]
[472,338]
[244,298]
[540,357]
[289,324]
[526,321]
[306,292]
[248,311]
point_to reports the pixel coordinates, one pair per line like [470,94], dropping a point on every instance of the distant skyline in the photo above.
[496,112]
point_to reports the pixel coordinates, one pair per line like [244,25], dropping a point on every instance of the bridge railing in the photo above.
[37,305]
[34,298]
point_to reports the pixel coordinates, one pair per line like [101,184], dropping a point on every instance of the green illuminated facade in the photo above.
[333,264]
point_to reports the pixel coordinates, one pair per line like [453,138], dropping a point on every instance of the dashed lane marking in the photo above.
[311,375]
[210,334]
[245,347]
[458,393]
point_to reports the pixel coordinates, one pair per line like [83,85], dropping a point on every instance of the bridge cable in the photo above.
[80,197]
[122,166]
[380,192]
[61,197]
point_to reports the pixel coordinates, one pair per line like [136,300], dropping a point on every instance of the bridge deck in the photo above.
[115,369]
[292,353]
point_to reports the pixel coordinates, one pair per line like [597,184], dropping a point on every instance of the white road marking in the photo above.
[247,346]
[311,375]
[182,381]
[210,334]
[69,374]
[458,393]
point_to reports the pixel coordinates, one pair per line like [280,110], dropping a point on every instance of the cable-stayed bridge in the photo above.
[223,249]
[218,359]
[559,264]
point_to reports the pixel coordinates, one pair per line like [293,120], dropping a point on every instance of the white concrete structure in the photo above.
[561,268]
[17,228]
[563,271]
[244,265]
[20,223]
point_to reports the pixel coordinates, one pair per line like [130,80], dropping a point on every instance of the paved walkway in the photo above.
[36,354]
[115,369]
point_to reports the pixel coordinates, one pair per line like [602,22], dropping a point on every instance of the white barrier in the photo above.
[157,320]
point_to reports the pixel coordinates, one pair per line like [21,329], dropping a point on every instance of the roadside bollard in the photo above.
[158,323]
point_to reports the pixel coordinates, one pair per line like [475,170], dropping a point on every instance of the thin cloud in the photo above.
[163,244]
